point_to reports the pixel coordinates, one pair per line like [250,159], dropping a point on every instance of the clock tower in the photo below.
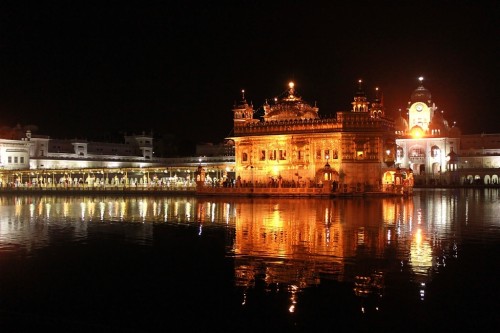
[420,108]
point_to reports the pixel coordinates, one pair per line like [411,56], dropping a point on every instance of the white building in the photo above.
[37,160]
[47,153]
[14,154]
[437,152]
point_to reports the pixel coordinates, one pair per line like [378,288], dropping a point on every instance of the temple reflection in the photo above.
[279,243]
[298,243]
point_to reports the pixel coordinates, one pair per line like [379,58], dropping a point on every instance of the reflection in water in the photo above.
[26,220]
[287,243]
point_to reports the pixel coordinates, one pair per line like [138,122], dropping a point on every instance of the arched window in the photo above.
[399,152]
[435,151]
[417,152]
[335,154]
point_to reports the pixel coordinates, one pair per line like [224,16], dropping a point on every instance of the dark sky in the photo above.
[84,69]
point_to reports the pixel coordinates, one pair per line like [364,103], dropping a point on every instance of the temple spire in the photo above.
[377,107]
[360,103]
[421,79]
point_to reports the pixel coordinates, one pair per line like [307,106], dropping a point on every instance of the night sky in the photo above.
[84,69]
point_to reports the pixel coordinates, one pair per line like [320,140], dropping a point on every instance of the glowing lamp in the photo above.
[417,132]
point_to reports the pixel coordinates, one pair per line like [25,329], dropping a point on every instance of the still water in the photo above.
[154,264]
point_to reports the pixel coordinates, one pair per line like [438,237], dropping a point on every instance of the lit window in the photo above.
[400,152]
[417,152]
[262,155]
[435,151]
[282,154]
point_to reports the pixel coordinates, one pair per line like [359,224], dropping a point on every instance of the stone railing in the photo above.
[62,189]
[288,126]
[262,191]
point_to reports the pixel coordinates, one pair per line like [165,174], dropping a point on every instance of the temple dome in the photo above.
[420,94]
[290,107]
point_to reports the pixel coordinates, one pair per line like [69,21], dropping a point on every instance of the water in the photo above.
[154,263]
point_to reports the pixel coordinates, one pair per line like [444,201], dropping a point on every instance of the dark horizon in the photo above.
[100,70]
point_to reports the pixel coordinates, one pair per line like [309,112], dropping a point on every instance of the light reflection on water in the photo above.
[312,230]
[281,243]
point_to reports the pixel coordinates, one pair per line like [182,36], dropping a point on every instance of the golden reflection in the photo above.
[166,210]
[274,221]
[293,289]
[48,206]
[123,210]
[301,242]
[66,209]
[296,242]
[188,211]
[176,209]
[420,254]
[389,214]
[361,236]
[110,209]
[143,208]
[91,208]
[102,209]
[212,212]
[18,208]
[155,208]
[82,207]
[116,207]
[32,210]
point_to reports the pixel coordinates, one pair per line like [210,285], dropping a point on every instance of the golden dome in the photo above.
[290,107]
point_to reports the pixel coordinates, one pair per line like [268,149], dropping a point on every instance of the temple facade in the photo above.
[292,146]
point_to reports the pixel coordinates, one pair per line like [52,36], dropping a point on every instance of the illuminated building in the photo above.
[14,154]
[40,161]
[292,146]
[136,151]
[437,152]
